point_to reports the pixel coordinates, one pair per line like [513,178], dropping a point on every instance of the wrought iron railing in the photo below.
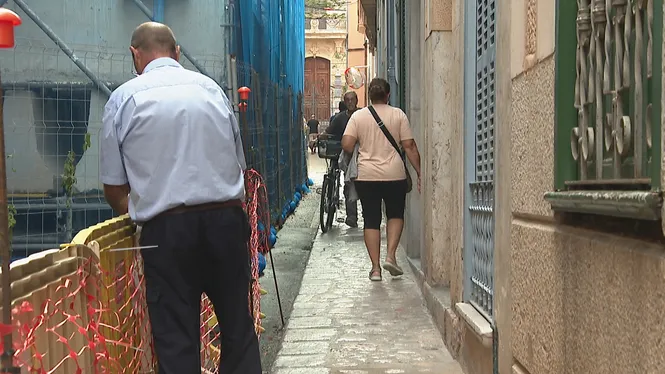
[333,24]
[608,108]
[617,97]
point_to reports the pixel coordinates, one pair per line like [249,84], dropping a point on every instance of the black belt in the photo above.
[201,207]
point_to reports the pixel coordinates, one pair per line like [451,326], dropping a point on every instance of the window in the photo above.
[323,24]
[608,108]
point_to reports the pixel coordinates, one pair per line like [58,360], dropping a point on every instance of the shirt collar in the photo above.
[161,62]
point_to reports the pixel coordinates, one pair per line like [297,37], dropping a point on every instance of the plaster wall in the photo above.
[585,302]
[475,357]
[441,151]
[531,33]
[356,48]
[413,226]
[433,232]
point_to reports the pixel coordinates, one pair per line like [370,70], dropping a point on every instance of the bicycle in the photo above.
[329,150]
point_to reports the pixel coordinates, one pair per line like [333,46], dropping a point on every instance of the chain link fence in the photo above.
[53,120]
[273,130]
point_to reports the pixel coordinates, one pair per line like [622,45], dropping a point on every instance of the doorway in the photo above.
[317,88]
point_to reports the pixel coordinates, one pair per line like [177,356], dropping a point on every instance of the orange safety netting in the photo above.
[92,318]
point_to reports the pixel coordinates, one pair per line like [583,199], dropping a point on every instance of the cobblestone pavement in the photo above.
[344,323]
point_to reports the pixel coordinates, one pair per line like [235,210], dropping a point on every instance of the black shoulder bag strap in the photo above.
[383,128]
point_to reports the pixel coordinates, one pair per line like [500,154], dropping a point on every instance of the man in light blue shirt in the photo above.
[172,157]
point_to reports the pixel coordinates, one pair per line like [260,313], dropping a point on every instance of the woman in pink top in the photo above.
[381,172]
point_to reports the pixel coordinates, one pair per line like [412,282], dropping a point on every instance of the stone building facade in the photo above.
[325,63]
[359,55]
[538,235]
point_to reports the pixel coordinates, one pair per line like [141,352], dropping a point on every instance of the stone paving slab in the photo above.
[342,323]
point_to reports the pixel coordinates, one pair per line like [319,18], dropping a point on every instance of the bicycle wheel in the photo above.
[333,200]
[323,208]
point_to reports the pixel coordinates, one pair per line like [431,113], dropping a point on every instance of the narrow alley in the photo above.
[343,323]
[533,237]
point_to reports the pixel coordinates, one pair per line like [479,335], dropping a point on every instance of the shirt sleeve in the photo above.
[111,164]
[352,127]
[405,132]
[218,93]
[240,151]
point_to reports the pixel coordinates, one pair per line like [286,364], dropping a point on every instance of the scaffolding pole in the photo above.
[5,254]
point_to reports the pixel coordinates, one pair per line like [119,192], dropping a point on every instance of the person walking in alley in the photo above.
[342,108]
[172,156]
[336,130]
[382,173]
[313,125]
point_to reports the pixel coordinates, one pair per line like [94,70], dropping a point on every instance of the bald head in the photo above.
[154,37]
[151,41]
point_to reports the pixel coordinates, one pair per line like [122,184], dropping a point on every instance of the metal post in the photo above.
[279,299]
[245,135]
[303,139]
[315,104]
[279,157]
[158,6]
[261,130]
[5,254]
[292,165]
[63,46]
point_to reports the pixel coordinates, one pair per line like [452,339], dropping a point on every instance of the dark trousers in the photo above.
[351,206]
[372,193]
[200,251]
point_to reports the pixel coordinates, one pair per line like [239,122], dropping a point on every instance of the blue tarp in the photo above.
[270,41]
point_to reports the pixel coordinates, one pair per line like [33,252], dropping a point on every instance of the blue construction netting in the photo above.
[270,53]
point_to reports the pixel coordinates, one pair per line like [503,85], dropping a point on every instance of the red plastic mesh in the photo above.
[258,211]
[94,319]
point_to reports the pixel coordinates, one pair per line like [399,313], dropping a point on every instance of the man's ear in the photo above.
[177,53]
[133,50]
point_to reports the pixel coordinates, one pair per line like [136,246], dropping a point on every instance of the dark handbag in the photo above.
[400,152]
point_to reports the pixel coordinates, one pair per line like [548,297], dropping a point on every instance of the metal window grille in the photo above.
[481,208]
[617,92]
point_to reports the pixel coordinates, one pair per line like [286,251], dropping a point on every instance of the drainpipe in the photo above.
[348,26]
[193,60]
[63,46]
[158,10]
[390,50]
